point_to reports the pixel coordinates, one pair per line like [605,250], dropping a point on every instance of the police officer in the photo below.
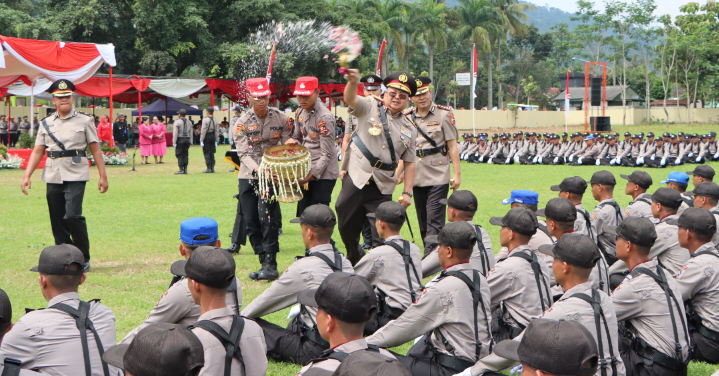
[64,136]
[655,340]
[713,147]
[301,341]
[480,151]
[606,213]
[181,140]
[701,174]
[209,272]
[679,181]
[629,155]
[551,151]
[236,111]
[315,129]
[589,155]
[676,150]
[344,302]
[436,147]
[40,340]
[257,130]
[503,153]
[24,125]
[638,182]
[698,281]
[521,198]
[456,330]
[208,139]
[119,132]
[384,136]
[12,128]
[529,153]
[382,266]
[695,150]
[176,305]
[706,195]
[3,131]
[573,189]
[609,153]
[12,366]
[658,157]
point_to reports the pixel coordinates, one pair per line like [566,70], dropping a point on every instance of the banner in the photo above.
[566,97]
[379,59]
[272,60]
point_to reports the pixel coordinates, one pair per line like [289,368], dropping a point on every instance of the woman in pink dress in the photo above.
[159,146]
[145,140]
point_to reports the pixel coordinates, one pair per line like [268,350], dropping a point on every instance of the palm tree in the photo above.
[434,29]
[388,17]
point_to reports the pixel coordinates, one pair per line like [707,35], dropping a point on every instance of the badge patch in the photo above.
[314,135]
[451,119]
[276,135]
[434,122]
[240,130]
[252,128]
[406,133]
[323,128]
[255,139]
[299,119]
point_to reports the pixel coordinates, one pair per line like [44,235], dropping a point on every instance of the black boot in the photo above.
[234,248]
[254,275]
[212,167]
[270,272]
[209,170]
[184,170]
[179,172]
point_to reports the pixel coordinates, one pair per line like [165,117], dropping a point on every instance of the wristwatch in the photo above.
[407,193]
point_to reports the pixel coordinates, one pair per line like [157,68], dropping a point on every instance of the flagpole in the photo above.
[379,58]
[473,59]
[566,103]
[272,60]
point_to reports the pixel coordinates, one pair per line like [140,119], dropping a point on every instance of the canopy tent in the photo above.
[164,107]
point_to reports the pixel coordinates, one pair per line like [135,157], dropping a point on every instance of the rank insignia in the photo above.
[406,133]
[276,135]
[314,135]
[434,122]
[252,128]
[451,119]
[299,118]
[255,139]
[240,130]
[323,128]
[368,99]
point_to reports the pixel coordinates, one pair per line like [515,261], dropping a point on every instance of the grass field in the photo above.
[134,227]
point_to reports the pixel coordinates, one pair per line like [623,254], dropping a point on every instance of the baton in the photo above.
[406,217]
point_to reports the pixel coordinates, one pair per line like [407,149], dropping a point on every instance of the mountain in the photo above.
[543,18]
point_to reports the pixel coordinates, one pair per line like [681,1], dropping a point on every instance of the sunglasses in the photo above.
[393,94]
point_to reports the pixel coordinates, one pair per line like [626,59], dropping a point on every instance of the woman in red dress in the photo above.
[104,131]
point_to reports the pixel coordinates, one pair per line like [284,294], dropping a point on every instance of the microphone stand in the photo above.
[133,159]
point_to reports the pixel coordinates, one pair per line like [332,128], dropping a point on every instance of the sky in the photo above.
[663,6]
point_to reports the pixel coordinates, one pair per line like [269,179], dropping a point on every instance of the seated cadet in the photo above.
[675,151]
[573,189]
[574,258]
[712,147]
[655,340]
[344,302]
[452,313]
[701,174]
[638,182]
[529,153]
[503,154]
[695,150]
[706,195]
[382,265]
[49,340]
[657,154]
[551,151]
[481,151]
[606,213]
[630,153]
[11,366]
[528,199]
[590,153]
[561,215]
[233,346]
[699,282]
[462,206]
[470,148]
[519,284]
[609,152]
[679,181]
[176,305]
[300,342]
[159,350]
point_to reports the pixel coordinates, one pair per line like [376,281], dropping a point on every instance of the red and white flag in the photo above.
[379,59]
[474,73]
[567,97]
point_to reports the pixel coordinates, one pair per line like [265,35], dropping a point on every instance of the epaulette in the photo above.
[443,107]
[80,112]
[47,116]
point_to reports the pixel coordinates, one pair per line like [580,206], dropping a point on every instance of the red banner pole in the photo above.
[111,118]
[212,97]
[379,59]
[139,107]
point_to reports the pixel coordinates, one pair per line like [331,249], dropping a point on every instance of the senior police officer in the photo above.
[3,131]
[260,128]
[208,139]
[181,140]
[436,147]
[315,129]
[384,135]
[64,136]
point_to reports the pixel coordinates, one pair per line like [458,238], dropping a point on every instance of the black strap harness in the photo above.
[232,288]
[12,367]
[609,258]
[596,302]
[407,258]
[374,161]
[83,324]
[434,149]
[482,251]
[231,341]
[311,332]
[538,277]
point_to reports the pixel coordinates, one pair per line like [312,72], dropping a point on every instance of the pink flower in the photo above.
[252,50]
[325,56]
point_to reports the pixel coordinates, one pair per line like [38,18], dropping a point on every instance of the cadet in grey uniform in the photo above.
[573,189]
[461,207]
[210,271]
[384,264]
[529,153]
[676,151]
[701,174]
[679,181]
[208,139]
[606,213]
[657,158]
[301,341]
[520,283]
[589,155]
[11,366]
[181,140]
[695,150]
[176,305]
[453,312]
[699,283]
[64,136]
[551,152]
[706,195]
[630,153]
[520,198]
[3,131]
[638,182]
[344,302]
[41,340]
[655,340]
[503,154]
[24,125]
[609,153]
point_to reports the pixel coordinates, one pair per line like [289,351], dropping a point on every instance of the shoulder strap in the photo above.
[12,367]
[537,277]
[383,117]
[233,288]
[482,250]
[429,139]
[617,209]
[404,251]
[596,302]
[336,266]
[231,342]
[644,200]
[475,288]
[47,129]
[544,229]
[705,252]
[83,323]
[588,222]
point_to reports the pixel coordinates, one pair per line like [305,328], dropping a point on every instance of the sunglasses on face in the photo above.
[393,94]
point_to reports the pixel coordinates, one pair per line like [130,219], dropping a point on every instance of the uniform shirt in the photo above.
[445,309]
[630,151]
[254,135]
[402,133]
[699,284]
[306,273]
[666,248]
[177,307]
[316,131]
[23,372]
[431,265]
[233,126]
[530,148]
[482,150]
[570,309]
[503,150]
[606,215]
[48,340]
[641,209]
[713,147]
[76,132]
[538,239]
[25,127]
[330,365]
[384,268]
[609,151]
[580,224]
[119,132]
[252,346]
[12,127]
[493,146]
[209,126]
[3,127]
[591,151]
[551,150]
[676,150]
[647,149]
[715,211]
[181,128]
[439,125]
[579,148]
[660,152]
[696,150]
[351,125]
[514,288]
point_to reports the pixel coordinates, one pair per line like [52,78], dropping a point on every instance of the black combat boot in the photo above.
[180,171]
[212,168]
[270,272]
[209,169]
[254,275]
[234,248]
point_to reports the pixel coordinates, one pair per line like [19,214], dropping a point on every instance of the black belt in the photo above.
[453,362]
[431,151]
[66,153]
[374,161]
[652,355]
[695,319]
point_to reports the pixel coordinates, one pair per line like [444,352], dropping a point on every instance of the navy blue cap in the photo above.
[677,177]
[194,227]
[522,196]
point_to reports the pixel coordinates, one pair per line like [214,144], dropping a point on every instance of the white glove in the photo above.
[598,162]
[556,159]
[463,157]
[690,155]
[535,159]
[716,155]
[678,161]
[663,162]
[612,162]
[215,144]
[540,159]
[653,156]
[481,159]
[202,144]
[466,372]
[517,370]
[489,161]
[476,154]
[571,157]
[565,159]
[579,160]
[619,160]
[174,145]
[640,160]
[516,160]
[294,311]
[507,161]
[418,339]
[699,159]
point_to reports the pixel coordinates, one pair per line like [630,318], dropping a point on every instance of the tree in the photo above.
[641,16]
[667,56]
[434,29]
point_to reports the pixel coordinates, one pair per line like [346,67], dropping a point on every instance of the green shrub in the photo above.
[27,141]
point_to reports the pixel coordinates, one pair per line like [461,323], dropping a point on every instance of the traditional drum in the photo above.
[280,168]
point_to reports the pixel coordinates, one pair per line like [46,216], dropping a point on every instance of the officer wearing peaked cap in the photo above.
[384,136]
[63,137]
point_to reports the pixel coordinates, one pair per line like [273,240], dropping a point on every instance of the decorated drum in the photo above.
[280,169]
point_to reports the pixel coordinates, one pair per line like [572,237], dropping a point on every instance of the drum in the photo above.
[280,168]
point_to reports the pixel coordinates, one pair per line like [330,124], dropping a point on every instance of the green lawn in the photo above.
[134,227]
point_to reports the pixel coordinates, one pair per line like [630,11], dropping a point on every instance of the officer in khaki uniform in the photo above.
[315,129]
[260,128]
[48,340]
[3,131]
[384,136]
[609,152]
[300,342]
[233,125]
[654,340]
[529,153]
[176,305]
[208,139]
[590,153]
[24,125]
[394,268]
[436,147]
[699,283]
[638,182]
[181,140]
[63,137]
[453,312]
[606,213]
